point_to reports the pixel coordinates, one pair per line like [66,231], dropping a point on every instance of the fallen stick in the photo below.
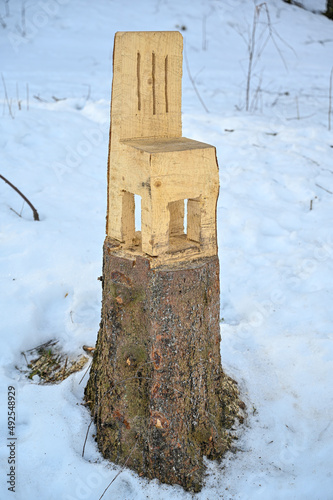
[34,211]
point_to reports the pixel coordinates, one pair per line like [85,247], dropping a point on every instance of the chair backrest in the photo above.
[146,89]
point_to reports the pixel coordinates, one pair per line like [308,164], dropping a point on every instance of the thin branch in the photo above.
[18,97]
[34,211]
[271,31]
[193,82]
[256,44]
[251,49]
[321,187]
[257,95]
[261,49]
[89,90]
[87,434]
[39,98]
[85,373]
[121,470]
[301,117]
[15,212]
[6,97]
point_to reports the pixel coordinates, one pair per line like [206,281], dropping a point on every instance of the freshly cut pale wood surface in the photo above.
[149,157]
[147,84]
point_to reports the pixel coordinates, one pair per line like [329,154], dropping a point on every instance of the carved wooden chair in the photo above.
[149,157]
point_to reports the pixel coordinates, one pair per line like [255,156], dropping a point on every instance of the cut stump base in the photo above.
[156,390]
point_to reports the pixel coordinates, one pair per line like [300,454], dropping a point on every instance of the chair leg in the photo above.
[154,228]
[121,223]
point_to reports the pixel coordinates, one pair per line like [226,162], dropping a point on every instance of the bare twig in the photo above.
[301,117]
[257,96]
[275,33]
[251,49]
[15,212]
[330,100]
[34,211]
[321,187]
[87,434]
[39,98]
[65,366]
[121,470]
[256,45]
[6,97]
[85,373]
[18,97]
[57,99]
[193,82]
[49,343]
[88,94]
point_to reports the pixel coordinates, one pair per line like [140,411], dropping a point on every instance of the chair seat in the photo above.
[167,145]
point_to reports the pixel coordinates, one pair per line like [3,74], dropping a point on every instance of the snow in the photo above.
[274,232]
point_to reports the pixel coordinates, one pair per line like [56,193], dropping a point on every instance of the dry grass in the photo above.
[50,364]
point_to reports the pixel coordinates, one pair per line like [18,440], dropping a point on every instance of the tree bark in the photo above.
[329,9]
[156,390]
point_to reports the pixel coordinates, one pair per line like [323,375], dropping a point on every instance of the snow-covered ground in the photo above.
[274,230]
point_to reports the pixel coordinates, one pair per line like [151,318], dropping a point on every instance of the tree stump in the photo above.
[157,392]
[156,389]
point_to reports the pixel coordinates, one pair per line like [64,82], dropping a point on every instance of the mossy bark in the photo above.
[156,388]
